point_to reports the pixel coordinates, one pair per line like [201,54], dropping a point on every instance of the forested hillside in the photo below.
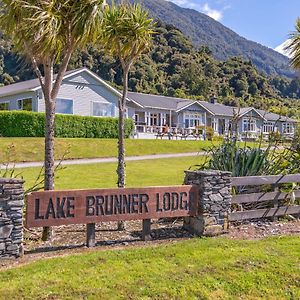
[223,42]
[175,67]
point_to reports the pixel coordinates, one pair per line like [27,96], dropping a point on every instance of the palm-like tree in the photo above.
[47,33]
[126,33]
[294,46]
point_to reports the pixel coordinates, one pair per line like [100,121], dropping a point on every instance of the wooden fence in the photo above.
[276,196]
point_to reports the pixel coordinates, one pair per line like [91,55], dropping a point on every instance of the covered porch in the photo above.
[154,122]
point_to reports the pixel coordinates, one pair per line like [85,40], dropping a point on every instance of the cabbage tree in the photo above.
[293,46]
[46,33]
[126,33]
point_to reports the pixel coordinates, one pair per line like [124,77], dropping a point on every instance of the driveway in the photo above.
[85,161]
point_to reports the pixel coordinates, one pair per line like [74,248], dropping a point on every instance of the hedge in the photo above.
[31,124]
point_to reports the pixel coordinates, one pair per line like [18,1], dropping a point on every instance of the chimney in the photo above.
[213,100]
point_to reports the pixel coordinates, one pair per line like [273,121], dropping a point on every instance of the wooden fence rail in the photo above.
[262,180]
[274,197]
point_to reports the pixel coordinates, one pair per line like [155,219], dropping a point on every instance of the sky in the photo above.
[267,22]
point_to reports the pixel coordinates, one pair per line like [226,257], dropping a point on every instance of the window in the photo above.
[192,120]
[64,106]
[287,128]
[136,118]
[269,127]
[249,125]
[214,124]
[25,104]
[4,106]
[102,109]
[153,119]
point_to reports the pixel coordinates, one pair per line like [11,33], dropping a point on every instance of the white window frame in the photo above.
[110,105]
[154,117]
[5,102]
[215,124]
[163,119]
[194,119]
[59,98]
[250,123]
[288,128]
[269,126]
[22,99]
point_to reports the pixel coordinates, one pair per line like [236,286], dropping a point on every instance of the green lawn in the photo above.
[32,149]
[139,173]
[215,268]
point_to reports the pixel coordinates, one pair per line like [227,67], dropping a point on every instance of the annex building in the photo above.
[84,93]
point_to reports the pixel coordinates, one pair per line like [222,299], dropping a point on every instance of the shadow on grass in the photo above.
[156,235]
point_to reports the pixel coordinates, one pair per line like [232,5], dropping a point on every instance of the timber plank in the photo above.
[264,213]
[262,180]
[260,197]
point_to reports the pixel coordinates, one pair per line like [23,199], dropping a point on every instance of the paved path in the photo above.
[85,161]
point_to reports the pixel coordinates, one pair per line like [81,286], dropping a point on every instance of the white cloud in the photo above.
[213,13]
[205,8]
[281,49]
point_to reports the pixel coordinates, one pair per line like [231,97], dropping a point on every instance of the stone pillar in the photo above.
[214,202]
[11,218]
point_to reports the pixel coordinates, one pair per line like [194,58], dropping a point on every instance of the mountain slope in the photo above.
[223,42]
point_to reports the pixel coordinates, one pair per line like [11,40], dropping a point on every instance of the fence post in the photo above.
[146,230]
[214,202]
[91,235]
[11,218]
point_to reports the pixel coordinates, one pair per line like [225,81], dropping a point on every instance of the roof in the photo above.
[216,109]
[34,85]
[28,85]
[269,116]
[149,100]
[159,102]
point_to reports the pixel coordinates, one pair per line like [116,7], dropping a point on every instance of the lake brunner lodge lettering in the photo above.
[56,208]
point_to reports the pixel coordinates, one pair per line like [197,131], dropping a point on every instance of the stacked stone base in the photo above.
[214,202]
[11,218]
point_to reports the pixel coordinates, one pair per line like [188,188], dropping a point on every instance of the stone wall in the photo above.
[214,202]
[11,218]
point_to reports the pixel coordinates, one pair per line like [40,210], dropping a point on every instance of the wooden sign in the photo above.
[55,208]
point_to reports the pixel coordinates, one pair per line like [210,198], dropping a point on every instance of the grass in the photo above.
[197,269]
[139,173]
[32,149]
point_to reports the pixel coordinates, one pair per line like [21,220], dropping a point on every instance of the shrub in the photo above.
[247,161]
[31,124]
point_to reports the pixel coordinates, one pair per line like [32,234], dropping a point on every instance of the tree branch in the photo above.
[61,73]
[38,72]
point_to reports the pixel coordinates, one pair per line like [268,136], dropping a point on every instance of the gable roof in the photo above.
[149,100]
[216,109]
[34,85]
[159,102]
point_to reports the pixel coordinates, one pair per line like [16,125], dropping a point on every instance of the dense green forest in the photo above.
[174,67]
[223,42]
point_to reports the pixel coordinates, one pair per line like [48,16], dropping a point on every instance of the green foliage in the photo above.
[294,45]
[251,161]
[223,43]
[44,30]
[175,68]
[29,124]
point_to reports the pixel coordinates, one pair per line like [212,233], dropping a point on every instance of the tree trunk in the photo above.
[121,142]
[49,141]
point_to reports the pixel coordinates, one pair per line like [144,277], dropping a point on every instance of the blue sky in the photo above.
[265,21]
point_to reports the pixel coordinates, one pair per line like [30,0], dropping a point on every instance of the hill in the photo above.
[223,42]
[174,67]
